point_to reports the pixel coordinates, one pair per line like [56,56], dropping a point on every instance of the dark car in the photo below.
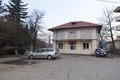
[100,52]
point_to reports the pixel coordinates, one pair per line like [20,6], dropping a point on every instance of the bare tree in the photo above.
[35,25]
[107,20]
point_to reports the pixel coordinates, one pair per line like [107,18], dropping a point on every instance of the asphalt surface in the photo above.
[68,67]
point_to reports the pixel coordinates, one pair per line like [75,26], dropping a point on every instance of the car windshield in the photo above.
[98,49]
[102,50]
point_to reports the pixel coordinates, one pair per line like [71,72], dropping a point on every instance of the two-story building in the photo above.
[77,37]
[117,41]
[117,10]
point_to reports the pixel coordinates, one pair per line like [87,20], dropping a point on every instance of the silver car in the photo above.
[49,53]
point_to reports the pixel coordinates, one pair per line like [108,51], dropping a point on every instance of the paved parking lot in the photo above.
[67,67]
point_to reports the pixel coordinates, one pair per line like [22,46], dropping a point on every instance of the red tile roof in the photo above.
[76,24]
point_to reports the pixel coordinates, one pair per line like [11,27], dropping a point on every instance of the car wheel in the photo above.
[49,57]
[31,57]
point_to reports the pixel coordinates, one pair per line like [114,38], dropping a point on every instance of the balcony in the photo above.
[117,18]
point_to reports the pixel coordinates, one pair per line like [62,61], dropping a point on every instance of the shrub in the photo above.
[3,52]
[114,51]
[21,50]
[11,51]
[7,51]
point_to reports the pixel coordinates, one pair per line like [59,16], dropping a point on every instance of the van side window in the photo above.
[50,50]
[43,50]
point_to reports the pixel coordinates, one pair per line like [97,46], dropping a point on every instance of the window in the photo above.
[43,50]
[40,50]
[72,47]
[85,45]
[72,32]
[60,45]
[50,50]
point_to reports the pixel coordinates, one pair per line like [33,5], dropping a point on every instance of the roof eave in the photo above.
[117,9]
[99,28]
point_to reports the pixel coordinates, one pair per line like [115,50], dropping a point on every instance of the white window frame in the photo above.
[60,45]
[72,46]
[86,45]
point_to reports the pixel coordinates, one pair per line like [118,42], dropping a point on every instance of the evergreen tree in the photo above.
[1,7]
[16,15]
[0,4]
[17,10]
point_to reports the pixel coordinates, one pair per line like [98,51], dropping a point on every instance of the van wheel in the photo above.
[31,57]
[49,57]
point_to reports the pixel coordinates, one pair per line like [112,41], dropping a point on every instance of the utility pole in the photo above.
[49,40]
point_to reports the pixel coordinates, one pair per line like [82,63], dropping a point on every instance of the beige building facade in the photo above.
[117,41]
[117,10]
[76,37]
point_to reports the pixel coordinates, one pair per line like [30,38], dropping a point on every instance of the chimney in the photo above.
[73,23]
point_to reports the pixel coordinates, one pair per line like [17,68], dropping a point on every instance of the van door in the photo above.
[43,53]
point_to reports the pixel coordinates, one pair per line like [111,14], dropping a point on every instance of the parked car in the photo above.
[49,53]
[100,52]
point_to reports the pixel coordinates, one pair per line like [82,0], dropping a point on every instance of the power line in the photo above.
[110,1]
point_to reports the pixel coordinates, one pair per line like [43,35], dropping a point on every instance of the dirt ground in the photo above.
[68,67]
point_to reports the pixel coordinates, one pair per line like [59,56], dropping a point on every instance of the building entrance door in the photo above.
[72,48]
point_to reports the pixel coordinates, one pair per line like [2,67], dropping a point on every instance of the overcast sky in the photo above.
[61,11]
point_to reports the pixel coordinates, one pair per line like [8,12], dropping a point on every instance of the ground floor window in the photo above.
[72,47]
[86,45]
[60,45]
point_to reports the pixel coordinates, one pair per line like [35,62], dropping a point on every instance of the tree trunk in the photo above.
[100,36]
[31,47]
[113,44]
[35,41]
[16,51]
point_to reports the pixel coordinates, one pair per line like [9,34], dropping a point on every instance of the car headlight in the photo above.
[97,52]
[105,53]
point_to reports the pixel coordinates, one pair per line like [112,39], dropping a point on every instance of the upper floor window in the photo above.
[60,35]
[85,45]
[72,34]
[86,33]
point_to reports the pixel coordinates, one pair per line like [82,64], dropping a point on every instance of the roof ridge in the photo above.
[75,24]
